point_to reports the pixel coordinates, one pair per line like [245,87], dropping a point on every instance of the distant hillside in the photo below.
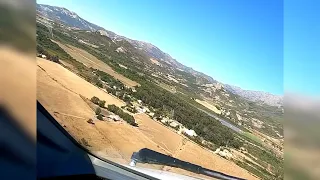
[66,16]
[256,96]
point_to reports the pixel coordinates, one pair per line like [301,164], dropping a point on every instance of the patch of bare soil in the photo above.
[159,134]
[209,106]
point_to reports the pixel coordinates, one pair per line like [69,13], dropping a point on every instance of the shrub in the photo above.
[98,111]
[99,84]
[126,98]
[100,117]
[102,103]
[95,100]
[84,142]
[90,121]
[133,110]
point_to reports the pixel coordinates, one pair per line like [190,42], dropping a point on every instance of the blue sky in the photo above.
[235,42]
[302,47]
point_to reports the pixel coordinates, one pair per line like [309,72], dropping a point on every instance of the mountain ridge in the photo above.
[256,96]
[71,19]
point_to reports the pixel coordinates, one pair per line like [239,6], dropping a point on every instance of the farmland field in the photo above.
[91,61]
[209,106]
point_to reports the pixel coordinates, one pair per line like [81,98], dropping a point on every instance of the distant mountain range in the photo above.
[256,96]
[71,19]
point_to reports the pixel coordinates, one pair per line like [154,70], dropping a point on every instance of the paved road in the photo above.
[224,122]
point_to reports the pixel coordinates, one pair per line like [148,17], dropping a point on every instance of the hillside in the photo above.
[65,16]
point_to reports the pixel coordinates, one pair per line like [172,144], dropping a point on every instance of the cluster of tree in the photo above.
[98,113]
[130,73]
[125,116]
[205,126]
[131,109]
[110,80]
[114,86]
[111,91]
[123,94]
[49,56]
[98,102]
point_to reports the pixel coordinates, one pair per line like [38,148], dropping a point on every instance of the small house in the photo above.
[174,124]
[114,117]
[151,114]
[42,56]
[164,120]
[190,132]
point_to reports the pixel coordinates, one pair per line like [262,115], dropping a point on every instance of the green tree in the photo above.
[125,116]
[102,103]
[98,111]
[126,98]
[95,100]
[99,84]
[100,117]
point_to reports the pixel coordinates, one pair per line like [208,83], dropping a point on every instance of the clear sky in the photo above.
[302,47]
[235,42]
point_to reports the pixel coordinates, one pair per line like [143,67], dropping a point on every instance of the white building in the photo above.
[140,110]
[223,153]
[164,120]
[114,117]
[189,132]
[174,124]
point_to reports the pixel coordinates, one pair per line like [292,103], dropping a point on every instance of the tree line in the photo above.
[98,102]
[125,116]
